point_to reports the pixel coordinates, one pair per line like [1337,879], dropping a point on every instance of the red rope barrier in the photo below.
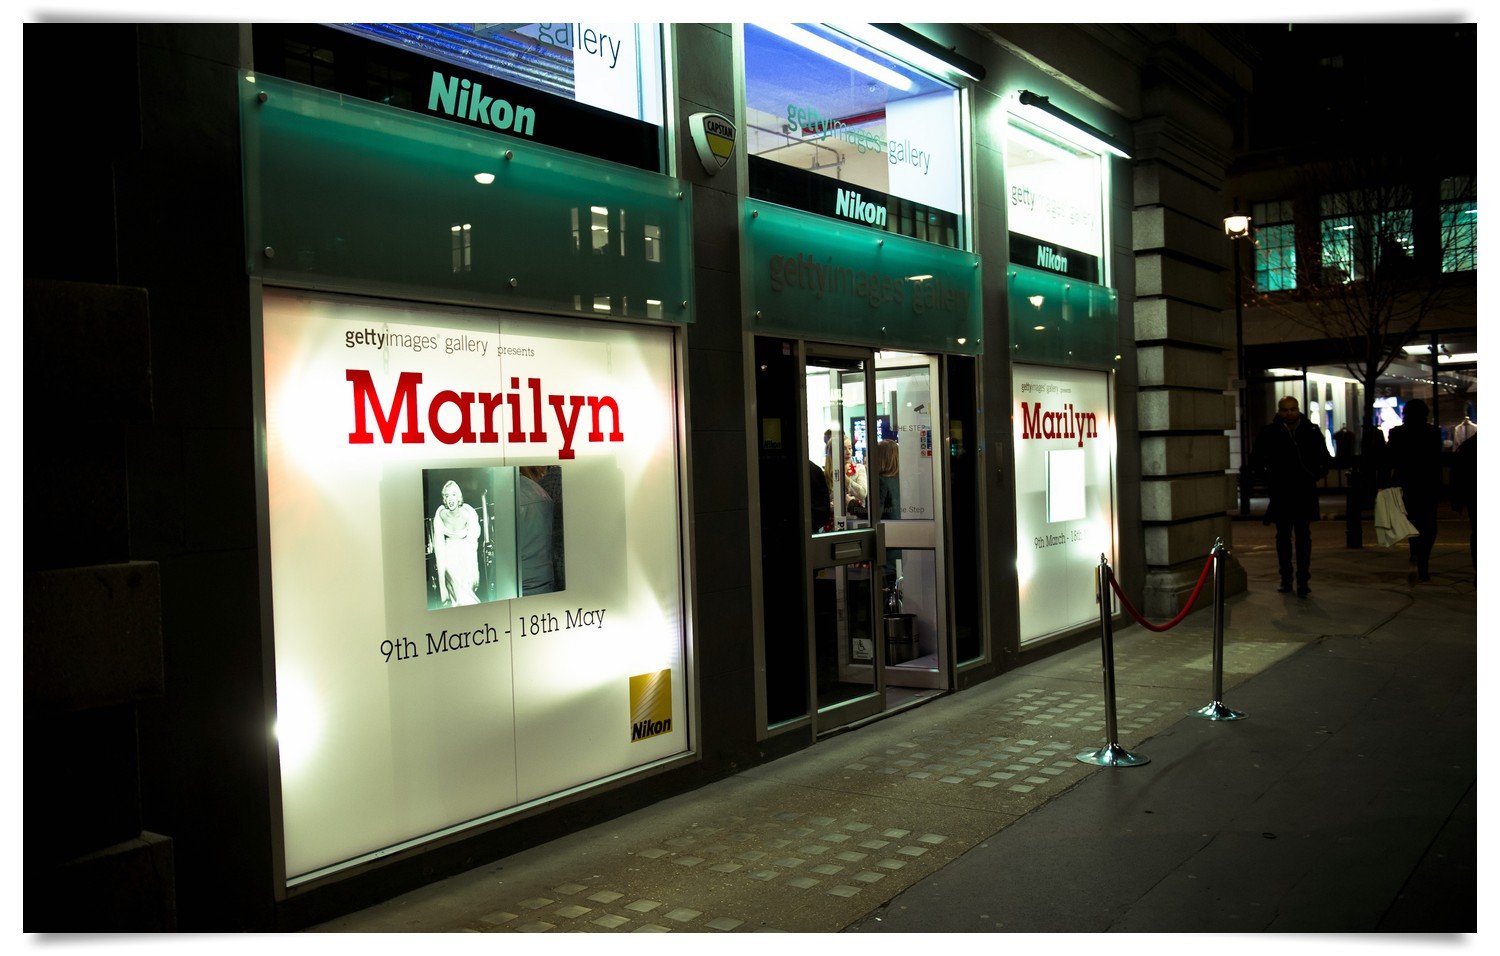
[1180,615]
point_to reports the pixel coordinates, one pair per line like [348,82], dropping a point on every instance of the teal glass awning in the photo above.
[353,196]
[815,277]
[1058,320]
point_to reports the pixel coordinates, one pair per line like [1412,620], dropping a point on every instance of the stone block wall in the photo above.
[1184,328]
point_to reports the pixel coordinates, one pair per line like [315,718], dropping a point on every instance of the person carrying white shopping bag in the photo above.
[1391,523]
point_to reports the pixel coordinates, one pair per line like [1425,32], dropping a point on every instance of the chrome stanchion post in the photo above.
[1111,754]
[1216,710]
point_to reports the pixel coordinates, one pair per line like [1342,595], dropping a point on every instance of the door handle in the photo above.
[848,549]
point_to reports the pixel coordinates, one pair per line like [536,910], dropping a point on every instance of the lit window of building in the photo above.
[1459,219]
[1365,231]
[1275,246]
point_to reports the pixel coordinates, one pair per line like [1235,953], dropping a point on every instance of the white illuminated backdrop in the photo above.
[1065,513]
[396,721]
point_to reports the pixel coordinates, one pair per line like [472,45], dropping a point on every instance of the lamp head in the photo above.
[1236,226]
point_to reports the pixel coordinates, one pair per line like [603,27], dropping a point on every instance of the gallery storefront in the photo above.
[472,434]
[863,302]
[554,472]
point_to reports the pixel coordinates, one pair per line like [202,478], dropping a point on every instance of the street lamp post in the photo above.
[1237,227]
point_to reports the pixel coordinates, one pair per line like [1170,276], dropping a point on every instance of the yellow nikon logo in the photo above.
[650,705]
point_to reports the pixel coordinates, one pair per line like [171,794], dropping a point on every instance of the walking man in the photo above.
[1292,455]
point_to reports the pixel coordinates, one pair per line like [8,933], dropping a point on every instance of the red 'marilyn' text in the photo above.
[479,414]
[1067,423]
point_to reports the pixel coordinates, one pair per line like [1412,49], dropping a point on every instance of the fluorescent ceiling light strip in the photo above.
[888,42]
[832,51]
[1064,124]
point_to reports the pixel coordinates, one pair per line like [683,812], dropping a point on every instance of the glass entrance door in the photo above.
[905,470]
[843,550]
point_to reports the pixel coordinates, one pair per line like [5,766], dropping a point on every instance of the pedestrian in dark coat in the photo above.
[1414,460]
[1291,454]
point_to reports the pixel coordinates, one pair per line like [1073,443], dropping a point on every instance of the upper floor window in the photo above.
[1055,202]
[1366,232]
[588,87]
[1459,220]
[836,127]
[1275,246]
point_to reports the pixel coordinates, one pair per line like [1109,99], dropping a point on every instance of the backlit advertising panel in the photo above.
[1065,511]
[475,561]
[1055,203]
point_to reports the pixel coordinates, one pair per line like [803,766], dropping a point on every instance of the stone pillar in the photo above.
[1184,321]
[92,625]
[716,365]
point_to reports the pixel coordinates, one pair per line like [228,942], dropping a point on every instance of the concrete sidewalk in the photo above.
[1345,802]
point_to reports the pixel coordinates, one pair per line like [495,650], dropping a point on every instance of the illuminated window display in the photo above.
[837,128]
[1055,205]
[614,66]
[447,647]
[588,87]
[1065,513]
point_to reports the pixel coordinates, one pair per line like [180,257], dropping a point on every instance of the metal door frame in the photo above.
[836,546]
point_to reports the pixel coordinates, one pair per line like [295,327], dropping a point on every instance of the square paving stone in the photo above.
[610,921]
[845,891]
[568,889]
[537,902]
[724,924]
[643,906]
[572,911]
[606,896]
[684,915]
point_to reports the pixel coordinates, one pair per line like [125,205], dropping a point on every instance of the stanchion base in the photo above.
[1217,711]
[1113,755]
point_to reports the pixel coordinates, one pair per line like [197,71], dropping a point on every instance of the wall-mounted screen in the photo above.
[475,565]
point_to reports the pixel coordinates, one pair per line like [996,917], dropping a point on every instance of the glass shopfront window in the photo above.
[1055,203]
[837,128]
[452,496]
[590,87]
